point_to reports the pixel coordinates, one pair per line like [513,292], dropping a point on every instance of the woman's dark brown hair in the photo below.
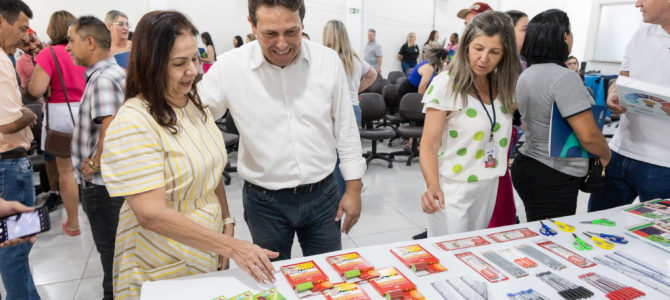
[148,64]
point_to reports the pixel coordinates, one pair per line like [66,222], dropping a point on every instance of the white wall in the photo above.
[393,19]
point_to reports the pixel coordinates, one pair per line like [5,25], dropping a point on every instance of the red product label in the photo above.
[303,272]
[511,235]
[463,243]
[345,291]
[394,284]
[480,266]
[566,254]
[418,259]
[352,261]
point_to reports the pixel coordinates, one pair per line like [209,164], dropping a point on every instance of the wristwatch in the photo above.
[229,220]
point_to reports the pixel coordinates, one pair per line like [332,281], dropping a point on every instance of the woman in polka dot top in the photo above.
[468,126]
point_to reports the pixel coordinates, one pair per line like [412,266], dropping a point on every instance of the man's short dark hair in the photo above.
[373,31]
[11,9]
[91,26]
[292,5]
[545,38]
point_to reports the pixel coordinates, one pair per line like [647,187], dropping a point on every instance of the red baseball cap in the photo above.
[31,31]
[477,7]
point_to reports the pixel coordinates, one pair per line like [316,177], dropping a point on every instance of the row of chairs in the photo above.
[389,125]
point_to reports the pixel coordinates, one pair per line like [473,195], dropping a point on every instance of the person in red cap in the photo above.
[468,13]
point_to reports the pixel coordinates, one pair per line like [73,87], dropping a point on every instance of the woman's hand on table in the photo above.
[254,260]
[432,199]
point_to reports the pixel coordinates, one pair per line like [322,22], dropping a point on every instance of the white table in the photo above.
[235,281]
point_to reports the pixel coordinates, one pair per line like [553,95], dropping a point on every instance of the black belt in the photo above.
[15,153]
[301,189]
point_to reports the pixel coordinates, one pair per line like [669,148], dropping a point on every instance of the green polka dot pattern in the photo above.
[462,152]
[473,178]
[479,135]
[457,169]
[453,133]
[430,89]
[471,112]
[503,109]
[480,154]
[440,155]
[503,142]
[435,101]
[496,127]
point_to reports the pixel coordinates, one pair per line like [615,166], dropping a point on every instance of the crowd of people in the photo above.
[145,158]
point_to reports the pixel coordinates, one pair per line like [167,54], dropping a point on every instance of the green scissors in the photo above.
[604,222]
[580,244]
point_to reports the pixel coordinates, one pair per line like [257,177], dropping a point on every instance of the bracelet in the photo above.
[93,166]
[229,220]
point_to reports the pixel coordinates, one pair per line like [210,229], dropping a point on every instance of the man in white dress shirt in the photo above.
[289,99]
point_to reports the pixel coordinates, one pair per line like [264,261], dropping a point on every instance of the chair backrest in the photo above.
[411,107]
[37,109]
[372,107]
[390,95]
[394,75]
[377,86]
[400,81]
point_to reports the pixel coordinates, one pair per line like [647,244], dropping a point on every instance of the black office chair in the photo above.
[372,109]
[411,109]
[394,75]
[400,81]
[231,138]
[392,118]
[377,86]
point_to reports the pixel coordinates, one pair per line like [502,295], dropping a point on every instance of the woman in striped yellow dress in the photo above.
[164,153]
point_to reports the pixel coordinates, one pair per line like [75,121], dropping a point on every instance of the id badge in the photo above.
[490,160]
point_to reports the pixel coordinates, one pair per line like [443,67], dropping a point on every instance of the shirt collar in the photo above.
[257,58]
[91,70]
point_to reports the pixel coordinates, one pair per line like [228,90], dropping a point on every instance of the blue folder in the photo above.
[122,59]
[563,141]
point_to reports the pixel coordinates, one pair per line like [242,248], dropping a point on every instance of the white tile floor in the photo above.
[69,267]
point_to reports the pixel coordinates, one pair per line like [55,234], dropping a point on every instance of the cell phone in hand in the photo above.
[24,224]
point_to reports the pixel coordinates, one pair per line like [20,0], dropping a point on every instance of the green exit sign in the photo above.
[354,11]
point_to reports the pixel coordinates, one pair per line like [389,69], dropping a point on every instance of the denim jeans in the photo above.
[103,214]
[627,178]
[407,65]
[17,184]
[341,184]
[274,217]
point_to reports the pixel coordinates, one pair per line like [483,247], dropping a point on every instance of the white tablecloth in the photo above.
[235,281]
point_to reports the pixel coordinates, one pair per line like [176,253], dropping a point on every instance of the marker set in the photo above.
[391,284]
[613,290]
[352,267]
[565,288]
[420,261]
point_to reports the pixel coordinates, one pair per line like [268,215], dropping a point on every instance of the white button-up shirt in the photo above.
[291,120]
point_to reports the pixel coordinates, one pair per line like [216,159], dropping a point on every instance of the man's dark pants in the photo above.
[275,216]
[103,214]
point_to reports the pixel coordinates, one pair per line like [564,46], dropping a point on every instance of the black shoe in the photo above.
[53,201]
[422,235]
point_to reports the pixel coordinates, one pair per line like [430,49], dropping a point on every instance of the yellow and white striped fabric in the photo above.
[140,155]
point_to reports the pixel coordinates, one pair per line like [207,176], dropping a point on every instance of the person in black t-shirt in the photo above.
[408,53]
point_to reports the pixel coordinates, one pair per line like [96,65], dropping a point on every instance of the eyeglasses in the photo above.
[122,24]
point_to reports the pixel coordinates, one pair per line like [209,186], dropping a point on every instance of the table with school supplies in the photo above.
[512,262]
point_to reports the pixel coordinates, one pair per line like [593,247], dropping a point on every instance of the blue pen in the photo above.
[612,238]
